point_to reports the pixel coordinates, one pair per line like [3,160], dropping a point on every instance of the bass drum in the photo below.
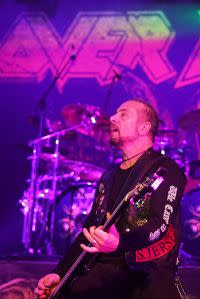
[191,223]
[72,208]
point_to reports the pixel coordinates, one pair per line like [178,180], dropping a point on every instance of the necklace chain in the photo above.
[124,160]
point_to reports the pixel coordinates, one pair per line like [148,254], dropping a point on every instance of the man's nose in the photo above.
[113,117]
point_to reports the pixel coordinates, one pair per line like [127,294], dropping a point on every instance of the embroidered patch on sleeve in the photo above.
[158,249]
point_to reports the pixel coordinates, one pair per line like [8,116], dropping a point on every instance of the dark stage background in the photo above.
[122,49]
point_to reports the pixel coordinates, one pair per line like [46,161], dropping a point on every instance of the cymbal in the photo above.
[49,125]
[93,119]
[74,114]
[85,171]
[190,120]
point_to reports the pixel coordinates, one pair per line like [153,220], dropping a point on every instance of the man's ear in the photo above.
[144,128]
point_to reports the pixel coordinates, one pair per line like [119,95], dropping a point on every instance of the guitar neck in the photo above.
[68,275]
[83,254]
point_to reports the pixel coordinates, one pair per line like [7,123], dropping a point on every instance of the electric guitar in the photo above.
[152,182]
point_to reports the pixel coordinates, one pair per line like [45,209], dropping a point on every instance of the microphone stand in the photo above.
[106,104]
[110,91]
[30,211]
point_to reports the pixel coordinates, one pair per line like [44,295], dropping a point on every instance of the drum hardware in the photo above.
[73,186]
[52,171]
[49,126]
[30,201]
[192,184]
[170,143]
[176,146]
[57,134]
[190,123]
[190,249]
[79,170]
[85,171]
[73,205]
[96,132]
[96,122]
[31,218]
[191,222]
[164,139]
[194,169]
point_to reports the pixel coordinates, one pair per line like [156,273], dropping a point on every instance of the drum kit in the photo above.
[66,164]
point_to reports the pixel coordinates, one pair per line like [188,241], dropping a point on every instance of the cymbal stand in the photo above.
[30,201]
[27,204]
[108,97]
[48,230]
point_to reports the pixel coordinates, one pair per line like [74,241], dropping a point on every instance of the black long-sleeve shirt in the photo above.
[157,235]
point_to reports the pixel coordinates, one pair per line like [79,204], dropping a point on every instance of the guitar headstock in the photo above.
[153,182]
